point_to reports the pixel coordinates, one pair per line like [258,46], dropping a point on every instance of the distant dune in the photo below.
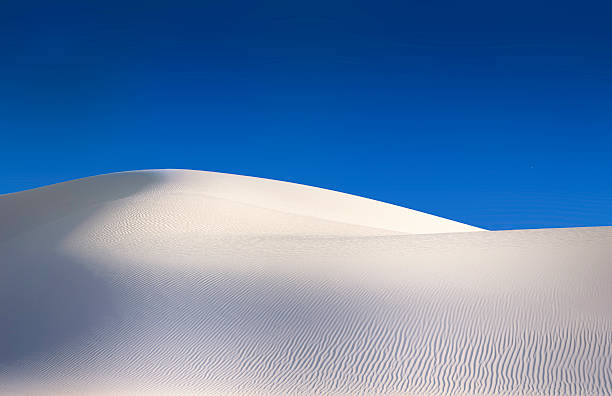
[178,282]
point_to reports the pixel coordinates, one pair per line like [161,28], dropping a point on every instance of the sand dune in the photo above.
[185,282]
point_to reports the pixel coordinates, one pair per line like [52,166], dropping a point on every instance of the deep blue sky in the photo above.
[497,114]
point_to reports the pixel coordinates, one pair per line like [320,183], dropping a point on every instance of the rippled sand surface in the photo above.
[183,282]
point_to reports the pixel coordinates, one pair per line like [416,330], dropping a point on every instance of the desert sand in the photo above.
[178,282]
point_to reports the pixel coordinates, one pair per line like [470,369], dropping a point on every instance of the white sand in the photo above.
[184,282]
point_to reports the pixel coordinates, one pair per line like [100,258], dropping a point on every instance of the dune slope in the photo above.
[184,282]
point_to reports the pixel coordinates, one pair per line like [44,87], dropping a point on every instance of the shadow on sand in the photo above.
[46,298]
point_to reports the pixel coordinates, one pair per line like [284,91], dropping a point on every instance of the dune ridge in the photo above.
[186,282]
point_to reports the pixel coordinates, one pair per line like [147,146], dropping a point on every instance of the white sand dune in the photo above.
[184,282]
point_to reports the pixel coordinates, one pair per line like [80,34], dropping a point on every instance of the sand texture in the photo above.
[196,283]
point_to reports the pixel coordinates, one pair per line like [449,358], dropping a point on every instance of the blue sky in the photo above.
[497,114]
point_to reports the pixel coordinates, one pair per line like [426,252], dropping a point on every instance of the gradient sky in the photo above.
[496,114]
